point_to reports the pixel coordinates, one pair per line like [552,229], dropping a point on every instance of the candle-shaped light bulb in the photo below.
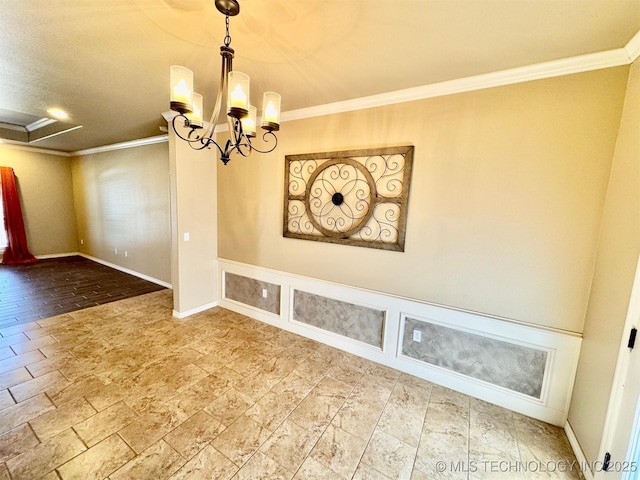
[195,117]
[249,122]
[238,94]
[238,97]
[181,89]
[271,111]
[180,92]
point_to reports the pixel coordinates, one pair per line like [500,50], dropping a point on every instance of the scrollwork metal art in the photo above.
[357,197]
[240,141]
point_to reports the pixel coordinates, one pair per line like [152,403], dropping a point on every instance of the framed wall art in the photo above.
[356,197]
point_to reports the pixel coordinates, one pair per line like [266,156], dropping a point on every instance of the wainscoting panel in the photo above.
[523,367]
[516,367]
[353,321]
[248,291]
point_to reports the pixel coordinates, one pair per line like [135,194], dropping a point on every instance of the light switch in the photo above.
[186,236]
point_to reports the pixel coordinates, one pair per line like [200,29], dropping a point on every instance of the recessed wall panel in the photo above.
[262,295]
[353,321]
[501,363]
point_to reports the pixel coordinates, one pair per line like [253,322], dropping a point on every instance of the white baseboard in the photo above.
[57,255]
[126,270]
[193,311]
[107,264]
[562,347]
[577,451]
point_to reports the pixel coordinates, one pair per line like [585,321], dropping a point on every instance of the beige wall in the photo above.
[44,182]
[507,196]
[194,264]
[613,280]
[122,203]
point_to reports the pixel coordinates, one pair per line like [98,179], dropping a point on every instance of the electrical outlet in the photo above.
[186,236]
[417,336]
[125,253]
[264,293]
[115,250]
[81,241]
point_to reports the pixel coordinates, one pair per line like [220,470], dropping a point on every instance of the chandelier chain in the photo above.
[227,38]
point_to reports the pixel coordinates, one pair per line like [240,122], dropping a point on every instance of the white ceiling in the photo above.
[107,62]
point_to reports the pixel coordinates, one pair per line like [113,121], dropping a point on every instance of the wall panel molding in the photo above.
[248,291]
[505,362]
[560,349]
[356,322]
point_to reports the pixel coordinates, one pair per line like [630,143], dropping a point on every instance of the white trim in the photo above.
[262,273]
[43,122]
[555,68]
[55,134]
[126,270]
[57,255]
[633,452]
[21,146]
[633,48]
[622,368]
[577,451]
[168,115]
[193,311]
[563,348]
[512,338]
[119,146]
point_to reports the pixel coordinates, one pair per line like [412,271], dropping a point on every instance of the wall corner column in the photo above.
[194,227]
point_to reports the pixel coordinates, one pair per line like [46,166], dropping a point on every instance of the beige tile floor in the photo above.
[125,391]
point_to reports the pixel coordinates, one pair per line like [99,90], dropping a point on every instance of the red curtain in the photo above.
[17,251]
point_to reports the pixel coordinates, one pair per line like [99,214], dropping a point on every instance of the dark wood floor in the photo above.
[60,285]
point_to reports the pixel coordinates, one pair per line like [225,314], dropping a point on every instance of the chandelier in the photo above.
[241,115]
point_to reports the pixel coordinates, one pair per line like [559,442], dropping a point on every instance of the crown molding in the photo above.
[119,146]
[633,48]
[555,68]
[19,146]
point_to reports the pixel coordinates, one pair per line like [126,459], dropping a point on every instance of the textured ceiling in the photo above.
[107,62]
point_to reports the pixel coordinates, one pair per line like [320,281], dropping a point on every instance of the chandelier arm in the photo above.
[266,139]
[224,155]
[239,147]
[233,130]
[244,148]
[222,86]
[185,121]
[206,143]
[240,139]
[198,142]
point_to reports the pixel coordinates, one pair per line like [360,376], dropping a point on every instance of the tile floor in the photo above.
[125,391]
[54,286]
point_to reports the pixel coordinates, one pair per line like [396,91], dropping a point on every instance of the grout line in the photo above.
[285,418]
[424,420]
[376,428]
